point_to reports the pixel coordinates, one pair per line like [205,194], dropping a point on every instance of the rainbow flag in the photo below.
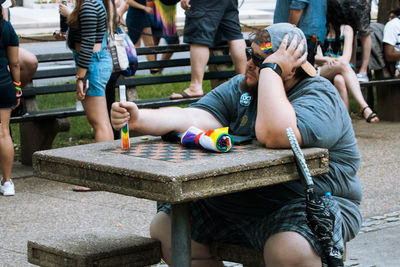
[217,140]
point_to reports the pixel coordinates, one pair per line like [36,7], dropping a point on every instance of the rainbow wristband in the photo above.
[17,83]
[19,91]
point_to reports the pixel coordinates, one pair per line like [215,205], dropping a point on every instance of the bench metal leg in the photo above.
[180,230]
[39,135]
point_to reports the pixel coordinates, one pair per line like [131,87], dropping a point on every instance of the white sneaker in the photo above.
[361,77]
[7,189]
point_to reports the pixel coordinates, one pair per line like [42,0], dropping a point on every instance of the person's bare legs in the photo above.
[160,229]
[366,44]
[352,84]
[6,145]
[147,41]
[340,85]
[199,55]
[97,115]
[238,52]
[165,56]
[96,112]
[290,249]
[28,65]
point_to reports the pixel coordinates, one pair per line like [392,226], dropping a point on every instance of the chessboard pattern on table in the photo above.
[172,152]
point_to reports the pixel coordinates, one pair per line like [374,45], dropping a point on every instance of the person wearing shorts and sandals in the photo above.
[209,23]
[280,90]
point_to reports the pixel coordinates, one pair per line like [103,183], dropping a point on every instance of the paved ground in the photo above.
[42,207]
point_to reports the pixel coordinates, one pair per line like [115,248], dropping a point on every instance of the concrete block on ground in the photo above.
[96,247]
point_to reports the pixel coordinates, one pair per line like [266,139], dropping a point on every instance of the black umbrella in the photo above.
[319,217]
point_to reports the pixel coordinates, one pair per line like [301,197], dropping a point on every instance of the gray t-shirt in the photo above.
[323,122]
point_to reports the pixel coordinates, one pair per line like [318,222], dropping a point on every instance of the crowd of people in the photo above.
[297,73]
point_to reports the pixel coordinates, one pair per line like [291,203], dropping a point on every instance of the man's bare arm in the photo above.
[295,15]
[161,121]
[390,54]
[274,111]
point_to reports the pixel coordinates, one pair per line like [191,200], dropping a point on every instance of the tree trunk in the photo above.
[384,7]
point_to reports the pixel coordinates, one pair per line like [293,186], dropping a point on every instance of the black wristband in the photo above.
[275,67]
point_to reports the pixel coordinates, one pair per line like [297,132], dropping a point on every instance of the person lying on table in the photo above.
[279,90]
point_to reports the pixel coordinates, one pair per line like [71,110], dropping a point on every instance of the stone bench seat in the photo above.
[94,248]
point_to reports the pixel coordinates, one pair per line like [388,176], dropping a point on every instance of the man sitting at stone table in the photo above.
[279,90]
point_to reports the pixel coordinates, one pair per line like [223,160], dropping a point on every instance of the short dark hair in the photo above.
[395,11]
[260,36]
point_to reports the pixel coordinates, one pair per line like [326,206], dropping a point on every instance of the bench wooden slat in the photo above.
[54,57]
[174,78]
[225,59]
[71,70]
[49,89]
[55,73]
[380,82]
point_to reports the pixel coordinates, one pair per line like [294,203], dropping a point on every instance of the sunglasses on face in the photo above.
[257,59]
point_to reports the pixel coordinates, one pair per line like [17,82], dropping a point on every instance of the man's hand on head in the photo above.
[288,57]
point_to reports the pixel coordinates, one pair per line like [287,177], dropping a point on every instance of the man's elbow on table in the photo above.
[276,138]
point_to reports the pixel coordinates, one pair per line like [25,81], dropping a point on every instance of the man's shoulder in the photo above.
[233,82]
[394,23]
[317,81]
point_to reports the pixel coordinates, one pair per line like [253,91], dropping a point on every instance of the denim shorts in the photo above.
[98,73]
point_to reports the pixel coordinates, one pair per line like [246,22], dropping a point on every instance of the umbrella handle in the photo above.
[299,158]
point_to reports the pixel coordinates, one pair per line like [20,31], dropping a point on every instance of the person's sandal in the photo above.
[371,116]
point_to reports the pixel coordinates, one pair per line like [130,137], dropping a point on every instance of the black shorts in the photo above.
[7,89]
[209,225]
[360,11]
[212,22]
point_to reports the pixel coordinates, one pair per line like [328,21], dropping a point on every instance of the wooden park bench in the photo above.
[38,128]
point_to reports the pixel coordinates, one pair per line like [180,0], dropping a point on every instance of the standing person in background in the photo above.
[309,16]
[139,27]
[163,23]
[209,23]
[360,13]
[27,61]
[88,24]
[334,62]
[9,84]
[87,39]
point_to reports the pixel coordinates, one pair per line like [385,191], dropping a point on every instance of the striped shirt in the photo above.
[93,26]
